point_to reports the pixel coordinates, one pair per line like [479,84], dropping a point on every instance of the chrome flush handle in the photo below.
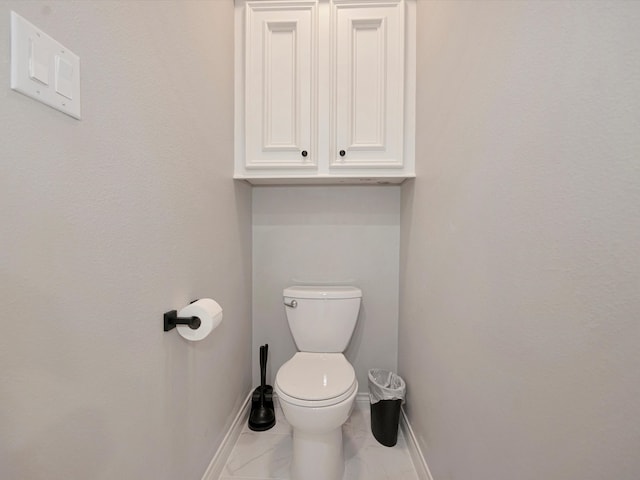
[293,304]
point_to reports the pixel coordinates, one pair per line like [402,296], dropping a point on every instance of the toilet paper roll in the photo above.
[209,313]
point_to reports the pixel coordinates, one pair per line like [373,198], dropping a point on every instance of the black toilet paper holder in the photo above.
[171,320]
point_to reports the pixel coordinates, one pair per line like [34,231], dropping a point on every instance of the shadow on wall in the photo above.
[407,191]
[242,192]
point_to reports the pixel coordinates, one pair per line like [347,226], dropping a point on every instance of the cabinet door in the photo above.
[279,82]
[369,78]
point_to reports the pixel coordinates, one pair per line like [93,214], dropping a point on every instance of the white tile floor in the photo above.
[266,455]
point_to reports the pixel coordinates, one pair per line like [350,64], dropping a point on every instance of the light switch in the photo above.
[44,69]
[38,57]
[64,77]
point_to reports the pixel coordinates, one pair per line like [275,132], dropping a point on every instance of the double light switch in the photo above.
[44,69]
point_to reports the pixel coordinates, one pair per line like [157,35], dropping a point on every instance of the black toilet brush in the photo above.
[262,416]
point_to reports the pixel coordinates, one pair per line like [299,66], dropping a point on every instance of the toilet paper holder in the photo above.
[171,320]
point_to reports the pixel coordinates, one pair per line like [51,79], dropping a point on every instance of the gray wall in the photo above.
[107,223]
[344,234]
[520,273]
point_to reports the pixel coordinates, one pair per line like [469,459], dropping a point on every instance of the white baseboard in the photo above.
[420,464]
[219,460]
[362,397]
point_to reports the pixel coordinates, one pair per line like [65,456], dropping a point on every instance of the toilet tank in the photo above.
[322,319]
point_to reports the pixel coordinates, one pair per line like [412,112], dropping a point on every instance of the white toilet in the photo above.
[317,386]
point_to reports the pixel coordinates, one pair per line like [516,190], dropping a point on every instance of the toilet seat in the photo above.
[316,379]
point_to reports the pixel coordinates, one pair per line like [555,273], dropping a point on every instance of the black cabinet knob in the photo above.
[304,153]
[342,153]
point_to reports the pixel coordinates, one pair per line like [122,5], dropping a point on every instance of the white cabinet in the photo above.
[368,87]
[278,85]
[325,91]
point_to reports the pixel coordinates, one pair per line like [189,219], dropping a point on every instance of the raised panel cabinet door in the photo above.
[279,82]
[368,91]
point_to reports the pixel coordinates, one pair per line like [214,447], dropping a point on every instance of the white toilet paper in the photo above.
[209,313]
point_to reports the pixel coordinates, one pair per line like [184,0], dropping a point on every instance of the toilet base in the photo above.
[317,456]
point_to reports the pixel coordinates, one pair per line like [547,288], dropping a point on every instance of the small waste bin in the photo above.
[386,394]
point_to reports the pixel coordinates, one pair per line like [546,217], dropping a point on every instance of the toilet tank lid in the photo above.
[333,292]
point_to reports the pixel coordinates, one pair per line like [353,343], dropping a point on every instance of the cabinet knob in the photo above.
[304,153]
[342,153]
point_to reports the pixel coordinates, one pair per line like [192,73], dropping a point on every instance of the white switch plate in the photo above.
[43,68]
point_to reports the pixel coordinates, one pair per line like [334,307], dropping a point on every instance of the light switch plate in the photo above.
[43,68]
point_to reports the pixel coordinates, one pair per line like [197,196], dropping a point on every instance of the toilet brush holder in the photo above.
[262,416]
[268,396]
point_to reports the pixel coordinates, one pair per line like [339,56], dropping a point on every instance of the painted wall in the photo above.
[107,223]
[520,273]
[344,234]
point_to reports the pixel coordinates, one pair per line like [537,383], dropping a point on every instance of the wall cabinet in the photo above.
[325,91]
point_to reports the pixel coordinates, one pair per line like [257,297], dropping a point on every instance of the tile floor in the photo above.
[266,455]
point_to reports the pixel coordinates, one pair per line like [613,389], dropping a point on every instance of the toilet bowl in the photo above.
[317,387]
[316,392]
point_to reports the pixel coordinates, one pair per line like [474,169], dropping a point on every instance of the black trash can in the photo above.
[386,394]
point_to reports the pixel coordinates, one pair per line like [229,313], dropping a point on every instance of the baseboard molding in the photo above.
[420,464]
[362,397]
[214,470]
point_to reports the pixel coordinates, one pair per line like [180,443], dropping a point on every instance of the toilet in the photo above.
[317,387]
